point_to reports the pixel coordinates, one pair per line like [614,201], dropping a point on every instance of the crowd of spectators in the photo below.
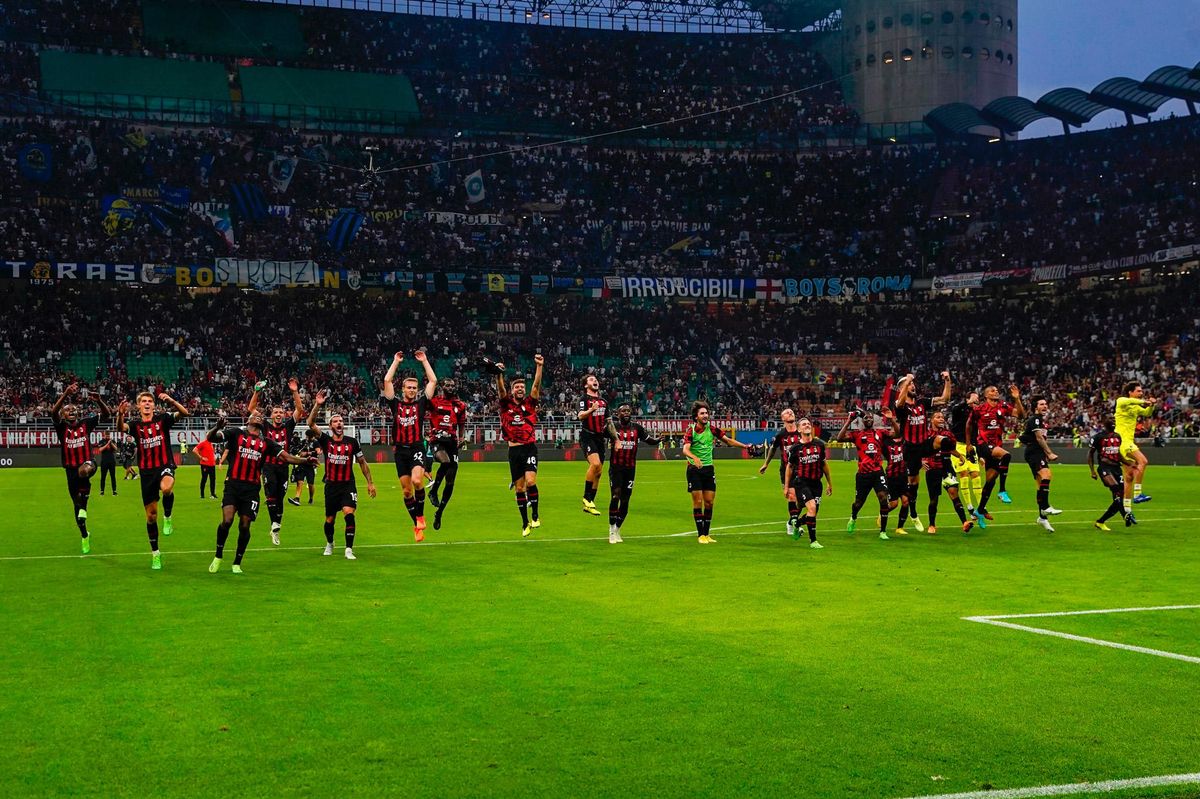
[1077,348]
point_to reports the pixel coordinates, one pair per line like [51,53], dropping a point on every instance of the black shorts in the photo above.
[340,495]
[75,483]
[304,474]
[446,444]
[702,479]
[913,453]
[151,479]
[1115,472]
[621,477]
[243,496]
[408,457]
[522,458]
[1036,459]
[275,480]
[865,483]
[897,486]
[592,444]
[985,456]
[807,490]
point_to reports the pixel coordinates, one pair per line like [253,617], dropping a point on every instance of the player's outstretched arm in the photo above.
[122,410]
[297,400]
[844,433]
[430,375]
[724,439]
[217,433]
[903,388]
[535,391]
[180,411]
[105,411]
[947,390]
[890,418]
[644,435]
[1018,406]
[318,401]
[389,386]
[501,388]
[770,453]
[56,409]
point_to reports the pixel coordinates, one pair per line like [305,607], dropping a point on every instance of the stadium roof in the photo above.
[1072,106]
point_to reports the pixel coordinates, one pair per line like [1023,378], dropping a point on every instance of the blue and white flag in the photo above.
[222,224]
[474,186]
[282,170]
[344,228]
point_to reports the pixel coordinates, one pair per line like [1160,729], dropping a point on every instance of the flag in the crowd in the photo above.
[684,243]
[136,139]
[495,283]
[205,166]
[474,185]
[163,218]
[344,228]
[175,196]
[437,171]
[222,224]
[85,152]
[539,284]
[35,161]
[248,201]
[281,170]
[454,282]
[117,214]
[318,153]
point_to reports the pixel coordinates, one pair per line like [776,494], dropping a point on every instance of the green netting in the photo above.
[327,94]
[82,364]
[129,81]
[164,365]
[236,29]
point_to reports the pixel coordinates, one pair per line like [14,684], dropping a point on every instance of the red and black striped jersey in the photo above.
[248,453]
[407,419]
[1107,446]
[783,442]
[869,444]
[989,423]
[281,434]
[914,422]
[154,440]
[447,417]
[75,440]
[597,421]
[893,451]
[625,446]
[808,460]
[940,459]
[518,420]
[340,454]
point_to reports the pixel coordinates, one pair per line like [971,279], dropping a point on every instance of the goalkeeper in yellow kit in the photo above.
[1131,407]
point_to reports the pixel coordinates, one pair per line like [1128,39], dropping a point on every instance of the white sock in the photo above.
[1137,489]
[1128,504]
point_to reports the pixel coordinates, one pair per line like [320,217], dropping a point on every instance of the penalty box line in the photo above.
[998,621]
[1107,786]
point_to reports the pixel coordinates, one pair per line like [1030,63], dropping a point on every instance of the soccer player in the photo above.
[128,457]
[518,424]
[1039,456]
[622,466]
[156,461]
[985,428]
[806,466]
[1131,407]
[783,442]
[912,413]
[869,444]
[447,429]
[896,474]
[275,471]
[593,418]
[207,456]
[341,492]
[967,469]
[108,461]
[305,472]
[939,472]
[698,440]
[248,450]
[408,439]
[1108,447]
[74,439]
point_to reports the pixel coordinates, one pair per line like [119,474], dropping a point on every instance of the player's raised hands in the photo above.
[1014,392]
[293,384]
[945,374]
[322,395]
[398,357]
[123,408]
[499,365]
[420,355]
[539,359]
[222,419]
[165,397]
[71,389]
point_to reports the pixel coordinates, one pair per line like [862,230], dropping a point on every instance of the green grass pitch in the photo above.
[480,665]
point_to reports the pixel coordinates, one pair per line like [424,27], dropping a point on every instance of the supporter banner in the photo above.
[266,273]
[683,287]
[804,287]
[413,215]
[966,280]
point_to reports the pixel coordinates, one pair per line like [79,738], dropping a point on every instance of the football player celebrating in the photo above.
[869,444]
[698,440]
[518,424]
[622,466]
[593,418]
[156,461]
[1039,456]
[74,439]
[1107,447]
[447,428]
[341,452]
[985,428]
[783,442]
[806,467]
[1131,408]
[408,417]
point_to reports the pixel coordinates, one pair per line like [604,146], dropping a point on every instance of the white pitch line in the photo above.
[1084,612]
[1107,786]
[1084,639]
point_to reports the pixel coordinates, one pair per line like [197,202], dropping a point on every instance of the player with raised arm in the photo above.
[447,429]
[279,428]
[341,492]
[622,466]
[868,442]
[408,436]
[518,424]
[782,443]
[939,472]
[1132,407]
[593,420]
[985,428]
[806,466]
[912,414]
[970,484]
[151,432]
[1108,448]
[1039,456]
[78,460]
[248,450]
[698,440]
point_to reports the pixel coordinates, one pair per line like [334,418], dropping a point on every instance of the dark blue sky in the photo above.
[1080,43]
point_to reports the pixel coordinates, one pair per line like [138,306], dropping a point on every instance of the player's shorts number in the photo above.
[531,460]
[254,506]
[354,497]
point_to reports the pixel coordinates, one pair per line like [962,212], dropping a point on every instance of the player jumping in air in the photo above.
[275,471]
[1131,407]
[783,442]
[622,466]
[341,492]
[970,483]
[408,441]
[156,461]
[869,444]
[912,413]
[248,450]
[593,418]
[698,440]
[74,440]
[939,472]
[806,466]
[518,423]
[1039,456]
[985,427]
[1108,448]
[447,429]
